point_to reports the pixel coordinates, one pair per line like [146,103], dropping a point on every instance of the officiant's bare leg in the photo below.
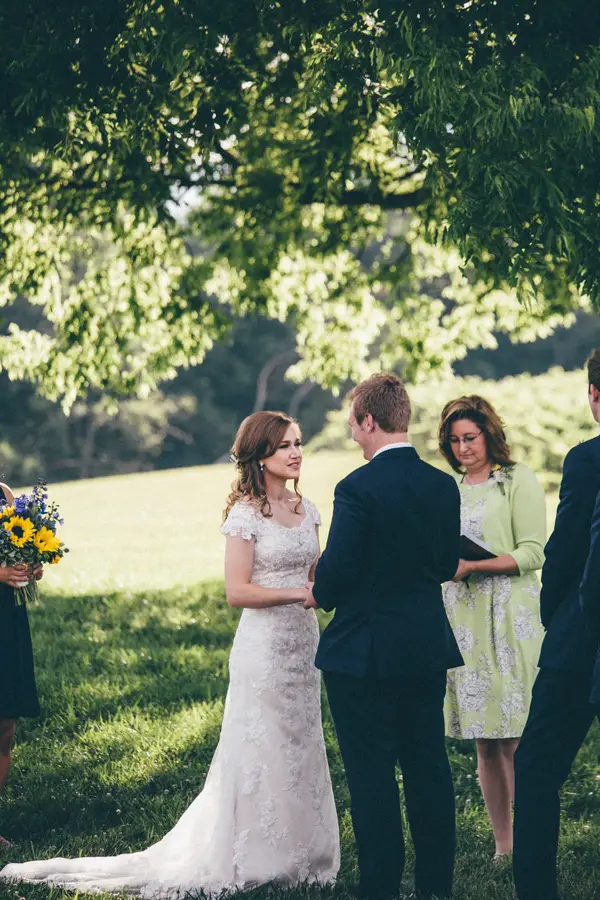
[495,767]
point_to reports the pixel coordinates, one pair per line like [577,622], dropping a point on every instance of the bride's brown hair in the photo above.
[258,437]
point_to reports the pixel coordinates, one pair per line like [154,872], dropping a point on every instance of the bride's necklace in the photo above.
[283,502]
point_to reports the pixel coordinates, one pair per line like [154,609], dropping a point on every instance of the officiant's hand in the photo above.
[310,602]
[464,570]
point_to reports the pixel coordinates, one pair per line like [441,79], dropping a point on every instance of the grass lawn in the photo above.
[132,639]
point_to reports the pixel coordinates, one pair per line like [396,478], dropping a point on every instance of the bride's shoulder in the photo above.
[311,510]
[242,520]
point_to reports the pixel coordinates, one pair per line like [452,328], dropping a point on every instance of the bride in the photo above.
[266,812]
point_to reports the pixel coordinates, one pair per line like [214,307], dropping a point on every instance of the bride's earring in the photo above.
[261,466]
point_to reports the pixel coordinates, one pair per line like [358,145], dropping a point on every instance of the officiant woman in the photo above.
[493,604]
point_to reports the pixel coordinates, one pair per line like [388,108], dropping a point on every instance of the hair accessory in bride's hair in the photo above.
[235,459]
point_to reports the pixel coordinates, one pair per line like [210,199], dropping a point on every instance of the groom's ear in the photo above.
[369,423]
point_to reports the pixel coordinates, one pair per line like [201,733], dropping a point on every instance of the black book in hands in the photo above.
[471,548]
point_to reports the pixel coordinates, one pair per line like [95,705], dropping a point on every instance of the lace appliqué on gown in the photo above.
[266,811]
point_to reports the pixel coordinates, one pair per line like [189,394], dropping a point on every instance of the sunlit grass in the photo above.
[131,652]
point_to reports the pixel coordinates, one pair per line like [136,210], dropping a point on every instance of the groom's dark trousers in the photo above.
[394,539]
[562,708]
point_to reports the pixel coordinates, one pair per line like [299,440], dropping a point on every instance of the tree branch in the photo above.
[287,357]
[226,154]
[366,197]
[385,201]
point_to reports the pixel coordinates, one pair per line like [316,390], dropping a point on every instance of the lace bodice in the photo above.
[282,556]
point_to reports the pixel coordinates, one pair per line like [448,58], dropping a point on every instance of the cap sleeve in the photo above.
[242,521]
[312,511]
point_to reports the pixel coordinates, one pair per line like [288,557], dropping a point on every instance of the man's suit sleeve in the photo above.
[590,585]
[450,548]
[339,566]
[571,531]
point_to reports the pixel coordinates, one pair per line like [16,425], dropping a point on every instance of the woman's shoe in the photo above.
[4,844]
[499,859]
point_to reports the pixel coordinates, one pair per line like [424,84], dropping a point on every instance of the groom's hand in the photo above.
[310,602]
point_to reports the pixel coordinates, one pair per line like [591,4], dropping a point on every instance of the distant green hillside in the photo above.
[160,529]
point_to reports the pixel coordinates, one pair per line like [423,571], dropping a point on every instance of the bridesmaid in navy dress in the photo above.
[18,693]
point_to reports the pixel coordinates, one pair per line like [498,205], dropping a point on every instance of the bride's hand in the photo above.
[310,602]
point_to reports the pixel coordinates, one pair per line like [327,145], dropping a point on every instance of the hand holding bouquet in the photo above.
[28,539]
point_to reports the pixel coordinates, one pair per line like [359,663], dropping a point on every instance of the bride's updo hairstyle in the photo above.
[258,437]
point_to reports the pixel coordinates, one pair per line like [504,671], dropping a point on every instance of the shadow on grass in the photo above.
[166,648]
[132,687]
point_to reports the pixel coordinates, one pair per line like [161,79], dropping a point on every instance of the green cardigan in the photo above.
[514,519]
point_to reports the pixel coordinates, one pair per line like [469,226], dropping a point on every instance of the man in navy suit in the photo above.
[590,598]
[561,713]
[394,539]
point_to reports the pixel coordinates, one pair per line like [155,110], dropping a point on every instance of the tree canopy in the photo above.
[322,151]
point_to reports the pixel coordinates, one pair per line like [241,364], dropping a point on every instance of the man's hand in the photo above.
[310,603]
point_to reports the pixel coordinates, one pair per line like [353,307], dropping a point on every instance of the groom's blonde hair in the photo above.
[385,398]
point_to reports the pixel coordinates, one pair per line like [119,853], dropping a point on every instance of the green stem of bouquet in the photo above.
[28,594]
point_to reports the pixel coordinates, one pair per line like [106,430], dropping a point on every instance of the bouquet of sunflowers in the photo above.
[28,536]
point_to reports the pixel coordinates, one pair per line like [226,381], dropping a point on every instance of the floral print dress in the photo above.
[497,626]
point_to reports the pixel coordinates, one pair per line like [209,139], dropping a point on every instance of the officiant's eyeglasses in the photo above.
[466,438]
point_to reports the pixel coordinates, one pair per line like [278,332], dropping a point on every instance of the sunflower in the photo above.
[6,512]
[21,530]
[46,541]
[55,560]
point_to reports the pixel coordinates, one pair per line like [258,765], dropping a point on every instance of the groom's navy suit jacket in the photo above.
[568,644]
[590,596]
[394,538]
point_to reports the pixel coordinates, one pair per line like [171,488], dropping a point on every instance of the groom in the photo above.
[394,538]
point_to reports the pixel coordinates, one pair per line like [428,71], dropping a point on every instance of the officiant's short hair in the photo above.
[386,399]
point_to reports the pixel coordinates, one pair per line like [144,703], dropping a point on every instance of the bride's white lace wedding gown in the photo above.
[266,811]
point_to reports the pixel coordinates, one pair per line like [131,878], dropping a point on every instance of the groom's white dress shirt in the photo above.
[391,447]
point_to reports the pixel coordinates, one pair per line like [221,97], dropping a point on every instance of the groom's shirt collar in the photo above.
[396,446]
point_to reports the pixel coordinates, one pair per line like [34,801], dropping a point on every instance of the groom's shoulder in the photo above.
[354,479]
[438,477]
[586,451]
[365,475]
